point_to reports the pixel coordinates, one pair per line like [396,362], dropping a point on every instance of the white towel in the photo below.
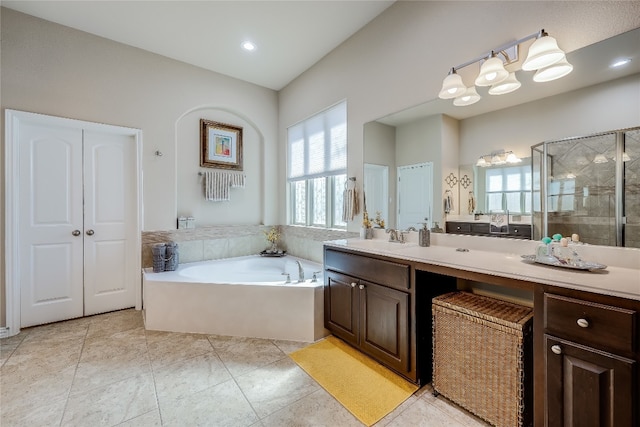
[350,205]
[472,203]
[448,202]
[217,184]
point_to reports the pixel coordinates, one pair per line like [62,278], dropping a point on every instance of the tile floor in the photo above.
[107,370]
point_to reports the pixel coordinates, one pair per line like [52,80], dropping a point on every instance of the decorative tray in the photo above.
[576,265]
[273,254]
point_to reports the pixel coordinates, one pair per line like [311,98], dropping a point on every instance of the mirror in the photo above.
[593,98]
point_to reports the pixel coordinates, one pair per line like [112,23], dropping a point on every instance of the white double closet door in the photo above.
[77,221]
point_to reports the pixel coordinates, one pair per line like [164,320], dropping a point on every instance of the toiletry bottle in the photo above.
[424,235]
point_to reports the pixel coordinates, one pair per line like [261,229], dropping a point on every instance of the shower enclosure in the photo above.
[589,186]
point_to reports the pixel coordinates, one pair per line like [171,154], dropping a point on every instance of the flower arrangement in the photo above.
[378,220]
[272,235]
[366,222]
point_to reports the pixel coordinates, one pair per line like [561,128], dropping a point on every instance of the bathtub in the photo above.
[245,296]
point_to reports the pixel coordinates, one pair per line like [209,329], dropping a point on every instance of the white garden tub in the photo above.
[245,296]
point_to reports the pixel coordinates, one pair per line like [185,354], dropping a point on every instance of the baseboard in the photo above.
[4,332]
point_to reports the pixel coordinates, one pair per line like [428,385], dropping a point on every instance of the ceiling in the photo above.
[291,36]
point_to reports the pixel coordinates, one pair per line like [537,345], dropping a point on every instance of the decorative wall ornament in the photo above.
[451,180]
[465,181]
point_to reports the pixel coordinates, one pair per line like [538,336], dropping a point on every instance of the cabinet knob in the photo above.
[556,349]
[76,232]
[353,284]
[90,232]
[583,323]
[361,286]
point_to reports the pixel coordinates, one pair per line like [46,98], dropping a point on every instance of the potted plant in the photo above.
[366,232]
[273,235]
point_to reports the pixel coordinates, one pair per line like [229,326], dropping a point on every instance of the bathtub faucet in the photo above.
[300,272]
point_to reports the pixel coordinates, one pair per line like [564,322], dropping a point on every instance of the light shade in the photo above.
[497,159]
[452,86]
[482,162]
[506,86]
[512,158]
[470,96]
[492,71]
[542,53]
[600,158]
[553,71]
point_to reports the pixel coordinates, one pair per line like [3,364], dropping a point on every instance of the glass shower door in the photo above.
[631,162]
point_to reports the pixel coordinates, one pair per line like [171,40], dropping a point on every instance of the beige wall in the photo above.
[400,58]
[52,69]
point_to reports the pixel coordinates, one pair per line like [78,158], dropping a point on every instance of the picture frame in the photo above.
[220,145]
[499,222]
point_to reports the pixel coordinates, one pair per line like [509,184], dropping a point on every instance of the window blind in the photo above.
[317,146]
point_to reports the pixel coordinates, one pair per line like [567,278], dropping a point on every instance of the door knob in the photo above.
[89,232]
[76,232]
[556,349]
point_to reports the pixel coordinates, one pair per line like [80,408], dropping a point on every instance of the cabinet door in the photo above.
[587,387]
[341,306]
[385,325]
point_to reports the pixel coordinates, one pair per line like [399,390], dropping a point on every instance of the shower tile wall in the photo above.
[581,192]
[632,188]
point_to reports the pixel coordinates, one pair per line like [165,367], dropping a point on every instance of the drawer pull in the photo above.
[556,349]
[583,323]
[353,284]
[361,287]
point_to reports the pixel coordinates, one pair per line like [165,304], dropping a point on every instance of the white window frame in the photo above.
[525,192]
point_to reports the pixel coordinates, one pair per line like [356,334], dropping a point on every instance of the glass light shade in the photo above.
[482,162]
[470,96]
[506,86]
[553,71]
[452,86]
[497,160]
[600,158]
[492,71]
[512,158]
[542,53]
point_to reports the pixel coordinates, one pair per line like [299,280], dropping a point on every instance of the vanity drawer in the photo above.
[602,326]
[479,228]
[385,273]
[523,231]
[458,227]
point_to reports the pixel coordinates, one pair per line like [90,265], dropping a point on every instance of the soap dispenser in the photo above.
[424,235]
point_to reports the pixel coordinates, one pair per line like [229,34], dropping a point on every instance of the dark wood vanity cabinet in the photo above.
[367,304]
[587,359]
[515,231]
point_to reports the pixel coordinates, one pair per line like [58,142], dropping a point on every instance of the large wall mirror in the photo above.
[448,140]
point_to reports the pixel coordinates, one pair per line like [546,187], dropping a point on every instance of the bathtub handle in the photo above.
[288,277]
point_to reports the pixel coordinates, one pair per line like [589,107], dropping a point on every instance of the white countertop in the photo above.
[502,257]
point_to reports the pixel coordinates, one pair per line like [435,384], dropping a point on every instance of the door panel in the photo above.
[415,198]
[341,306]
[50,202]
[385,325]
[110,222]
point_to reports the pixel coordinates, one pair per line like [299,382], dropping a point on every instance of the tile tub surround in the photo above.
[108,370]
[207,243]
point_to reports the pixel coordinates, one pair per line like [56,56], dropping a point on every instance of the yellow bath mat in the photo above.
[367,389]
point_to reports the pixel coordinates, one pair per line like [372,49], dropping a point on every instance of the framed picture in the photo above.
[220,145]
[499,222]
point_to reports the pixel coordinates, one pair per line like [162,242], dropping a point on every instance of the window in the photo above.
[316,168]
[508,188]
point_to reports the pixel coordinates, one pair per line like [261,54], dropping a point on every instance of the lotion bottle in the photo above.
[424,236]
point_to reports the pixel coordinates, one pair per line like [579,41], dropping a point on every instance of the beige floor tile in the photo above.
[111,404]
[454,411]
[100,372]
[106,347]
[189,376]
[422,413]
[110,323]
[185,346]
[241,355]
[288,347]
[155,336]
[317,409]
[47,413]
[150,419]
[274,386]
[220,406]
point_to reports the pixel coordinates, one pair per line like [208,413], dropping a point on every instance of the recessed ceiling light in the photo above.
[620,62]
[247,45]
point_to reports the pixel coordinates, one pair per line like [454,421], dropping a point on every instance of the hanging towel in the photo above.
[448,202]
[472,203]
[350,205]
[217,184]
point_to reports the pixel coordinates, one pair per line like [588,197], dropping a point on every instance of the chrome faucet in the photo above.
[300,272]
[393,235]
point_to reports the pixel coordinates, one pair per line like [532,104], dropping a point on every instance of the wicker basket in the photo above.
[482,350]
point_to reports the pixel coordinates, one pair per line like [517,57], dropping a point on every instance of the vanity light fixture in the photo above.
[497,158]
[600,158]
[544,56]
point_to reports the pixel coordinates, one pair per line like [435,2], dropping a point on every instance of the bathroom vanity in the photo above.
[481,228]
[586,324]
